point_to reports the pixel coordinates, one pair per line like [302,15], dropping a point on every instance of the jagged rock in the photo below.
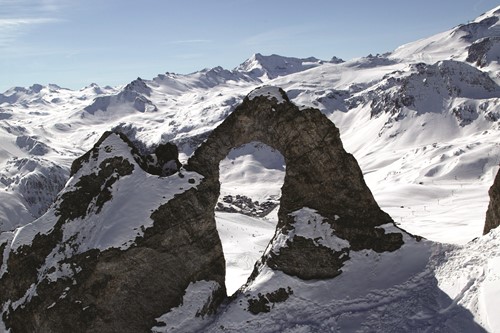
[404,93]
[32,145]
[109,256]
[122,247]
[270,67]
[493,212]
[482,51]
[245,205]
[262,303]
[167,155]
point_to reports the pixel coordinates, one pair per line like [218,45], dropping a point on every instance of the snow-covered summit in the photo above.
[36,93]
[273,66]
[270,92]
[456,43]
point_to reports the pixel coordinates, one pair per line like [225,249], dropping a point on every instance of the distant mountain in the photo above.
[270,67]
[472,42]
[428,88]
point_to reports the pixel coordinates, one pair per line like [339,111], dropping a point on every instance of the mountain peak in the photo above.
[36,88]
[264,67]
[490,13]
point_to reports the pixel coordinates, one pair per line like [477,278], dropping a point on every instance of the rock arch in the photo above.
[320,175]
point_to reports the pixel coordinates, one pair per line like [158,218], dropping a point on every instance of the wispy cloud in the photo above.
[6,23]
[27,7]
[191,41]
[17,16]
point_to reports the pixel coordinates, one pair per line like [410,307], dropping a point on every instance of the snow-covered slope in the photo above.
[104,227]
[270,67]
[424,287]
[451,44]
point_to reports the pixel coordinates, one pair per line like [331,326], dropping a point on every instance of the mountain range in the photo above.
[422,121]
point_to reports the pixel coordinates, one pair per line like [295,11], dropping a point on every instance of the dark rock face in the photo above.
[479,52]
[90,189]
[167,156]
[444,80]
[112,289]
[493,212]
[246,206]
[57,282]
[300,253]
[264,302]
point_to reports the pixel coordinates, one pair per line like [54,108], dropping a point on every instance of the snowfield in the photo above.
[424,287]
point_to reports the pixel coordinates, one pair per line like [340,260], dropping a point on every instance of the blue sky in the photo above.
[76,42]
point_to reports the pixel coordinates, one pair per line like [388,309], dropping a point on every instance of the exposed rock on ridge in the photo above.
[443,81]
[493,212]
[109,256]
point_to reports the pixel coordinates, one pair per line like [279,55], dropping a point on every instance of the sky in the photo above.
[73,43]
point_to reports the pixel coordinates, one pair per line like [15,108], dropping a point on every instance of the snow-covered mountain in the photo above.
[422,121]
[270,67]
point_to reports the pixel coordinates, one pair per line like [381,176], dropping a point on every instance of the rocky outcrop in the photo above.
[442,81]
[493,212]
[110,256]
[482,51]
[126,242]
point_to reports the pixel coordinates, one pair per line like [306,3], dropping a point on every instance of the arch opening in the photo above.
[246,213]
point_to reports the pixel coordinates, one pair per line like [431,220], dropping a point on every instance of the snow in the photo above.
[309,224]
[244,240]
[404,291]
[113,227]
[271,92]
[469,274]
[5,238]
[185,317]
[118,228]
[14,213]
[269,67]
[490,294]
[255,170]
[24,235]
